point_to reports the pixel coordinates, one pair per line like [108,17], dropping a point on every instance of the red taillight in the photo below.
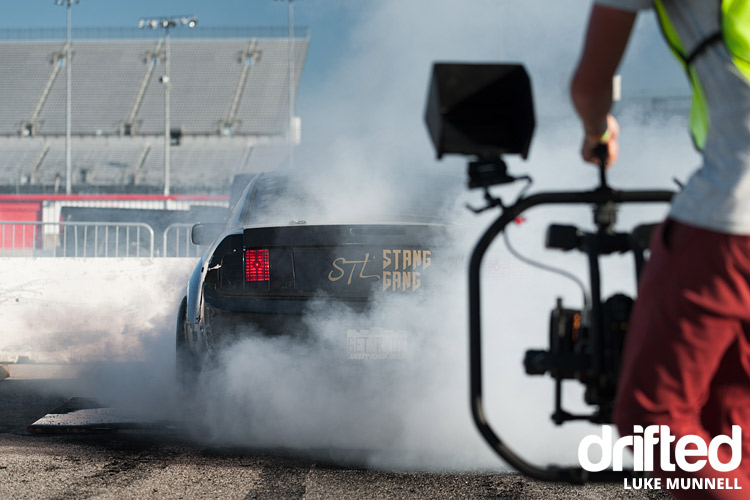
[256,265]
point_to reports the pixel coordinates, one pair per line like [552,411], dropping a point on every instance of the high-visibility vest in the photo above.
[735,34]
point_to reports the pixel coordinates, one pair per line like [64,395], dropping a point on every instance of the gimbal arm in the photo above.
[599,196]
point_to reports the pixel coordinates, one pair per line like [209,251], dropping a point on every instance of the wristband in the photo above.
[600,139]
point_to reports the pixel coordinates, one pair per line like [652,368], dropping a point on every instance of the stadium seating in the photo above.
[104,82]
[26,69]
[133,164]
[229,108]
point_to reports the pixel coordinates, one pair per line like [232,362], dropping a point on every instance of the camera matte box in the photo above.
[480,109]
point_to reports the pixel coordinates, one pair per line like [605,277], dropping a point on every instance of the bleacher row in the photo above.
[115,83]
[133,165]
[229,102]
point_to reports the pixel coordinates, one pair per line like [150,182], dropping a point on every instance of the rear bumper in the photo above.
[228,318]
[347,333]
[224,327]
[277,305]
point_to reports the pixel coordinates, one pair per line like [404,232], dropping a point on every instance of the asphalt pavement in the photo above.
[164,463]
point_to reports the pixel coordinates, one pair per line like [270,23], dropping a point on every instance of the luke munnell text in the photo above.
[693,483]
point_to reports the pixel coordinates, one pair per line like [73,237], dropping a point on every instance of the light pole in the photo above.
[290,64]
[68,163]
[166,23]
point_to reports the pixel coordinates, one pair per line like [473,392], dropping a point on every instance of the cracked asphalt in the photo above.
[169,465]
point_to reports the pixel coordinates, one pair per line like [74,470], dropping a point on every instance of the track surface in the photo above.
[168,465]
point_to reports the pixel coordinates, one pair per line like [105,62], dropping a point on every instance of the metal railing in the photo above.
[178,243]
[133,33]
[76,239]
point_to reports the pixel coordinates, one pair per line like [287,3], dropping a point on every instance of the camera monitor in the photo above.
[484,110]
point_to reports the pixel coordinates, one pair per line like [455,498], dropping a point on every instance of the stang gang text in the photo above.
[401,269]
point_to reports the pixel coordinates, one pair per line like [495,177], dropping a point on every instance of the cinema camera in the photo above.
[486,111]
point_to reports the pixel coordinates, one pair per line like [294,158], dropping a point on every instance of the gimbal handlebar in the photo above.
[599,197]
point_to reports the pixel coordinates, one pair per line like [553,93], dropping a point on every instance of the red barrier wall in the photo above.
[19,236]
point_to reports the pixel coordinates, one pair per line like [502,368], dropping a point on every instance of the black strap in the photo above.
[716,37]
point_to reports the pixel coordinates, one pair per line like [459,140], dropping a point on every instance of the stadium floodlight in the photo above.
[167,22]
[290,126]
[189,21]
[68,64]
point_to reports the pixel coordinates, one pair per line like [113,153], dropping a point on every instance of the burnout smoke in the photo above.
[367,118]
[304,393]
[365,125]
[87,310]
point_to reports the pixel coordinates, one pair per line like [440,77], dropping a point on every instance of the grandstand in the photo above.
[229,108]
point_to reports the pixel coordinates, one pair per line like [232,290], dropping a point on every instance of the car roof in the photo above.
[412,196]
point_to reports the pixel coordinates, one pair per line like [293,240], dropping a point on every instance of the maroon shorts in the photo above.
[687,358]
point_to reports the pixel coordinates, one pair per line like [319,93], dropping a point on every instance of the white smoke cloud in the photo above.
[86,310]
[367,122]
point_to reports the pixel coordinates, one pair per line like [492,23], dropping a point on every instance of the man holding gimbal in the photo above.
[687,357]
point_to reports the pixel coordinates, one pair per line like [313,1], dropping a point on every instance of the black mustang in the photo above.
[273,262]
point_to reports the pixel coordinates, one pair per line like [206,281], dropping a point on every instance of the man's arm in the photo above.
[591,88]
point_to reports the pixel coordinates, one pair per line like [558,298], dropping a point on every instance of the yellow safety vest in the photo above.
[734,32]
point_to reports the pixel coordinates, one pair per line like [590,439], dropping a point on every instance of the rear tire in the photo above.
[186,362]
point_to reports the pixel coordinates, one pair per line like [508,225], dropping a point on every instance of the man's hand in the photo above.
[608,138]
[591,87]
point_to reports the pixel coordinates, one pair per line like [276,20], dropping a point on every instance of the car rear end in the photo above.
[267,280]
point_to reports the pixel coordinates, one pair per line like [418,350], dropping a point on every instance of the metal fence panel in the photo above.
[178,242]
[76,239]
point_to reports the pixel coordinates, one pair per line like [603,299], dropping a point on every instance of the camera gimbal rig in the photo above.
[486,110]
